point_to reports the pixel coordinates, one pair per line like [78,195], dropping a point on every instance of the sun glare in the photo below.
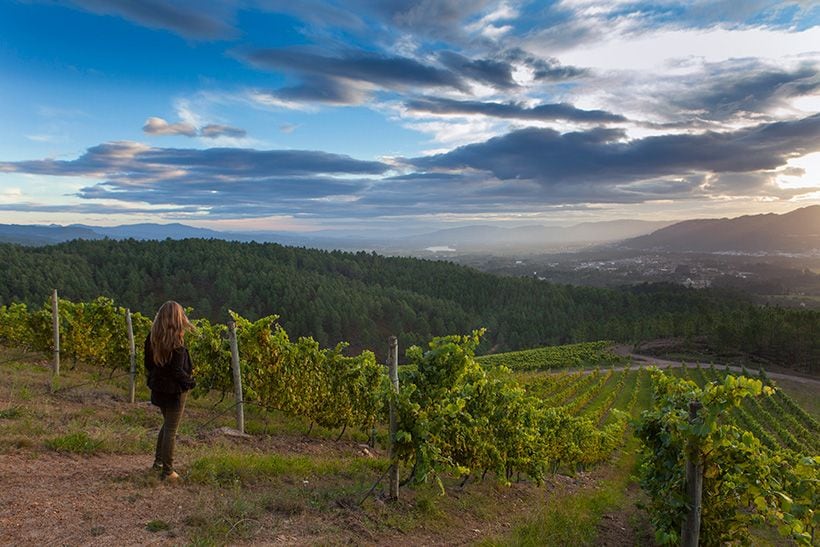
[802,172]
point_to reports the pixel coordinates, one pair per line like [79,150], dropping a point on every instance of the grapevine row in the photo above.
[744,483]
[454,415]
[571,389]
[585,354]
[793,409]
[580,401]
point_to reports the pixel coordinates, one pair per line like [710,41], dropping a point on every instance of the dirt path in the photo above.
[59,500]
[663,363]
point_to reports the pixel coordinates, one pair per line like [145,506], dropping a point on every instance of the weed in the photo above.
[25,393]
[426,505]
[157,525]
[283,505]
[232,518]
[78,442]
[10,413]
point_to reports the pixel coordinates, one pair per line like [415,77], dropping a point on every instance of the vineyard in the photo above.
[509,419]
[585,354]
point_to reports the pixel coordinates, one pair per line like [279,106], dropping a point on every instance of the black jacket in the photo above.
[173,377]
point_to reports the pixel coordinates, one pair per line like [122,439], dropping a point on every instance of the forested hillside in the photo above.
[362,298]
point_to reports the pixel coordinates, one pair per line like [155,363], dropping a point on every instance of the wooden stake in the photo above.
[690,532]
[55,322]
[393,364]
[237,378]
[132,353]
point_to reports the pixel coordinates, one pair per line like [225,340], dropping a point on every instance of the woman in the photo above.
[169,369]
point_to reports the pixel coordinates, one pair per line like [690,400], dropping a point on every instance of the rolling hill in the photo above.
[794,232]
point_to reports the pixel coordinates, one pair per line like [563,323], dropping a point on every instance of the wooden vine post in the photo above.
[132,354]
[237,378]
[55,323]
[690,532]
[393,367]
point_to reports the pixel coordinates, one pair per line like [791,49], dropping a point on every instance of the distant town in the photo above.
[788,280]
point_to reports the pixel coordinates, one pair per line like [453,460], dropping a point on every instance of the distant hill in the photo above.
[794,232]
[484,238]
[152,231]
[479,238]
[44,235]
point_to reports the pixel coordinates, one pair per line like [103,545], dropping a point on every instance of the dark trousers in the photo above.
[171,416]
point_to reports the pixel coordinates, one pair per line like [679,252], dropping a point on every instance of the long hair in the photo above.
[168,331]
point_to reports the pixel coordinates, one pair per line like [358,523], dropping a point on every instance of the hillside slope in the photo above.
[794,232]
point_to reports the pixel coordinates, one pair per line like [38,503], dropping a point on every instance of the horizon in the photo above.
[406,117]
[349,233]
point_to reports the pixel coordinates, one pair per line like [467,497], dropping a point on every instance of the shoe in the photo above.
[172,477]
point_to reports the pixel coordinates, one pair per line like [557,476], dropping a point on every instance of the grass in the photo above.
[10,413]
[157,526]
[234,517]
[78,442]
[574,519]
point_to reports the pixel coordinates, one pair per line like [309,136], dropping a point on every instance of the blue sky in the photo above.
[405,116]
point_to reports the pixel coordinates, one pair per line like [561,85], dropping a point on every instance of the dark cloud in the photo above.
[253,193]
[545,68]
[190,19]
[136,162]
[526,170]
[317,89]
[495,73]
[741,87]
[602,156]
[213,131]
[96,208]
[560,111]
[378,69]
[349,78]
[431,17]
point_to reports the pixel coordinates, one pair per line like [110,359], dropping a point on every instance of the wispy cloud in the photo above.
[544,112]
[186,18]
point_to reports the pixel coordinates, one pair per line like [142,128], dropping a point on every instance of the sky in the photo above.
[394,117]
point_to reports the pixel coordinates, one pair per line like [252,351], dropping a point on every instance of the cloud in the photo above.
[523,171]
[380,69]
[213,131]
[95,208]
[219,182]
[495,73]
[603,156]
[313,89]
[544,68]
[190,19]
[436,18]
[350,77]
[738,87]
[159,126]
[544,112]
[136,162]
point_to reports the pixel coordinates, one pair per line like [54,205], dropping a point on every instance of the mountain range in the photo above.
[794,232]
